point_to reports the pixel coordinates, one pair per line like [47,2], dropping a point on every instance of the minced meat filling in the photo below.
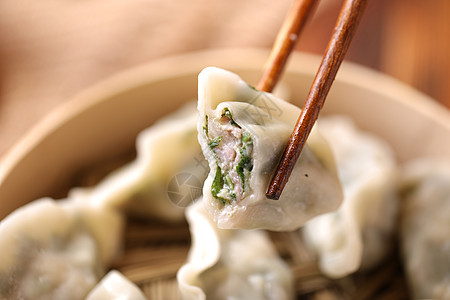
[232,148]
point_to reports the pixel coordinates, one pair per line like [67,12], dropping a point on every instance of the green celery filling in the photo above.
[227,113]
[245,164]
[215,142]
[217,185]
[222,187]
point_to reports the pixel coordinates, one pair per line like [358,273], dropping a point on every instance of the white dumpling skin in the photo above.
[360,233]
[56,249]
[425,227]
[164,150]
[231,264]
[115,286]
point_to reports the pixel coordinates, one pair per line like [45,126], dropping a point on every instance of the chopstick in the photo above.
[344,30]
[288,35]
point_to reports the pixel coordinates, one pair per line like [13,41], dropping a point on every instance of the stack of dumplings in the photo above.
[344,201]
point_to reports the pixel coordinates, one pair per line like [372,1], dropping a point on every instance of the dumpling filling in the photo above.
[232,148]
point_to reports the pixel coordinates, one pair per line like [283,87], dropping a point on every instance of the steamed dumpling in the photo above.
[56,249]
[425,227]
[359,233]
[243,133]
[115,286]
[231,264]
[168,150]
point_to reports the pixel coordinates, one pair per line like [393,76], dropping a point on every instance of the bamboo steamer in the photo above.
[95,132]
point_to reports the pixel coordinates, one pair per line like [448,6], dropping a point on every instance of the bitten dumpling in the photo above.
[115,286]
[56,249]
[425,227]
[359,234]
[166,151]
[231,264]
[243,133]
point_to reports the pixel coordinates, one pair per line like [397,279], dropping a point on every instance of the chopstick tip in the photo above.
[273,193]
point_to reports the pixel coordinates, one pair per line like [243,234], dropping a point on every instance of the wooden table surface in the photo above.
[50,50]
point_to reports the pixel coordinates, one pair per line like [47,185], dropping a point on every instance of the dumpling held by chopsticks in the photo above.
[243,133]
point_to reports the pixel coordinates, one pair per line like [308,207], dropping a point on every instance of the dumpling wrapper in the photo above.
[243,133]
[165,150]
[360,233]
[425,227]
[115,286]
[56,249]
[231,264]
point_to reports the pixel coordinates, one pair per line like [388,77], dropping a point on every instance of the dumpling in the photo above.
[243,133]
[115,286]
[425,227]
[167,151]
[56,249]
[359,233]
[231,264]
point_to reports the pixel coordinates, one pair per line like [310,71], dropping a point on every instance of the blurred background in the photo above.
[51,50]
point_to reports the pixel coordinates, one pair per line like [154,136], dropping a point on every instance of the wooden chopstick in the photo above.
[344,30]
[285,42]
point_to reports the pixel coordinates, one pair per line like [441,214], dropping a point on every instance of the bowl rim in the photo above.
[161,68]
